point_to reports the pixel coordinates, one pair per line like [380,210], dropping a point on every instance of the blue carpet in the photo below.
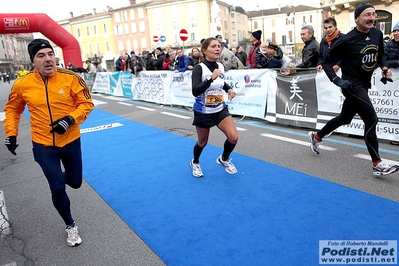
[264,215]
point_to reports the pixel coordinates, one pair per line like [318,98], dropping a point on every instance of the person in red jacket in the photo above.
[255,40]
[58,102]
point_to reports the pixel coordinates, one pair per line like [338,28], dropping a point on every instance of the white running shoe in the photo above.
[314,143]
[228,165]
[383,168]
[197,172]
[73,237]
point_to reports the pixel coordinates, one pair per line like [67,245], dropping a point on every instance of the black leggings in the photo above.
[358,102]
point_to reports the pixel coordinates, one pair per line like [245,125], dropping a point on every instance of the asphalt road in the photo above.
[37,229]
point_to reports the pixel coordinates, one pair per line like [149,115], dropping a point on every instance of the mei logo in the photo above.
[247,79]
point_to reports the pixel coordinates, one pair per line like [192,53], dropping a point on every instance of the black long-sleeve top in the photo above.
[360,53]
[198,85]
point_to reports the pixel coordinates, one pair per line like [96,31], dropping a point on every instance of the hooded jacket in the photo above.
[64,93]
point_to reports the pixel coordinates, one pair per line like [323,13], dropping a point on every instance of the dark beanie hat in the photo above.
[36,45]
[257,34]
[160,49]
[360,8]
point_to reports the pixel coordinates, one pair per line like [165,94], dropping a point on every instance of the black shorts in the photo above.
[210,120]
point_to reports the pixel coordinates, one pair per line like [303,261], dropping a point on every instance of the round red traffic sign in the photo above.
[155,38]
[183,35]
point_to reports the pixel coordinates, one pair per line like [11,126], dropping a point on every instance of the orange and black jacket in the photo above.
[48,99]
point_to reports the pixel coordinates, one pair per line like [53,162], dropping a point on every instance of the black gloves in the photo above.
[384,79]
[11,143]
[342,83]
[61,125]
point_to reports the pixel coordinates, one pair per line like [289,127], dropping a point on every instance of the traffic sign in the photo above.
[183,35]
[162,38]
[155,38]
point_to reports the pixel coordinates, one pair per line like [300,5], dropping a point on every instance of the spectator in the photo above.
[241,55]
[268,56]
[137,66]
[91,69]
[183,61]
[229,60]
[220,39]
[169,62]
[71,67]
[58,63]
[118,63]
[160,56]
[310,52]
[392,52]
[148,60]
[195,58]
[255,40]
[332,34]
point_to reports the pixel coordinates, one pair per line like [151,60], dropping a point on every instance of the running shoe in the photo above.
[383,168]
[228,165]
[197,172]
[73,237]
[314,143]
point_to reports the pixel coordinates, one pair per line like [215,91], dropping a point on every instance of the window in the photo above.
[141,13]
[225,25]
[142,26]
[124,15]
[239,35]
[192,35]
[193,23]
[2,43]
[105,28]
[126,28]
[134,27]
[232,14]
[118,30]
[273,36]
[88,31]
[120,46]
[90,49]
[234,38]
[128,46]
[238,18]
[135,44]
[95,29]
[107,46]
[143,42]
[98,48]
[78,30]
[310,19]
[290,35]
[175,25]
[117,17]
[233,25]
[255,25]
[132,15]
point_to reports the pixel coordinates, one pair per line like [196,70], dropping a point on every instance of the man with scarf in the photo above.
[331,35]
[310,52]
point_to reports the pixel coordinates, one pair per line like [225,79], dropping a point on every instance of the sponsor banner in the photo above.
[125,82]
[16,23]
[153,86]
[296,103]
[305,99]
[251,92]
[181,89]
[102,83]
[358,252]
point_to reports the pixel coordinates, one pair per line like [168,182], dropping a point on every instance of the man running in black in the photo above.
[361,51]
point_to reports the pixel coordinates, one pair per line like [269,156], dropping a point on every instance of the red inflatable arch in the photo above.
[27,23]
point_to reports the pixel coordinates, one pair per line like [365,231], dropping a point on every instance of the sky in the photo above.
[59,10]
